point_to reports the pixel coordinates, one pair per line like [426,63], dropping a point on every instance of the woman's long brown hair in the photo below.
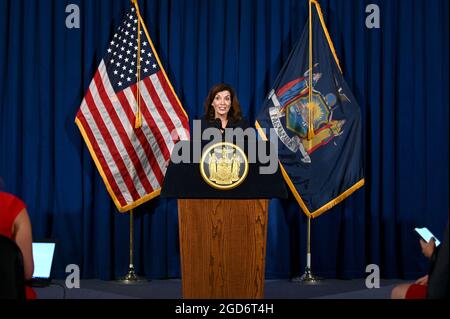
[235,113]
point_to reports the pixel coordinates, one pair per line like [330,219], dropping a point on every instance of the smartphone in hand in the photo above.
[426,235]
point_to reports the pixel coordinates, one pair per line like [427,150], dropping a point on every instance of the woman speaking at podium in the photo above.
[222,109]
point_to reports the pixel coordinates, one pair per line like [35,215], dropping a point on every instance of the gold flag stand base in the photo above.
[308,278]
[132,278]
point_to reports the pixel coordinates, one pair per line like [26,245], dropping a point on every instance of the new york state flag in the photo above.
[318,123]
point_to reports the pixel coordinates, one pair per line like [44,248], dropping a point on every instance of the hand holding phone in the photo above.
[426,235]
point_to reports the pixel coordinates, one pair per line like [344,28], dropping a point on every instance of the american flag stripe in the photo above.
[152,123]
[109,148]
[134,161]
[181,118]
[167,98]
[125,116]
[159,106]
[150,149]
[111,182]
[153,111]
[104,158]
[127,98]
[109,127]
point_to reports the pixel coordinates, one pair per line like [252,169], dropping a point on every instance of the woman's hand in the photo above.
[427,248]
[422,281]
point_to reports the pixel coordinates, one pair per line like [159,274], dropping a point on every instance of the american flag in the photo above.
[132,161]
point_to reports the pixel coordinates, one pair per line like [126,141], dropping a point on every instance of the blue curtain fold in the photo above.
[398,73]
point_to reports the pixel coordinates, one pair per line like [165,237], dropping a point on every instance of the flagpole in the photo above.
[310,79]
[138,115]
[308,277]
[131,276]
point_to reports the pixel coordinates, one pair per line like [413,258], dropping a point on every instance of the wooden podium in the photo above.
[223,247]
[222,233]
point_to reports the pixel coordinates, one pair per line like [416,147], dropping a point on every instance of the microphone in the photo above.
[218,124]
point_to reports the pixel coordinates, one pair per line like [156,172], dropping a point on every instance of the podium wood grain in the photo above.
[223,247]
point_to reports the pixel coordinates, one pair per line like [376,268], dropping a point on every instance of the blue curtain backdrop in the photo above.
[398,73]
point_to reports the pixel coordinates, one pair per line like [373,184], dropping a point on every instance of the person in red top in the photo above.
[15,224]
[435,285]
